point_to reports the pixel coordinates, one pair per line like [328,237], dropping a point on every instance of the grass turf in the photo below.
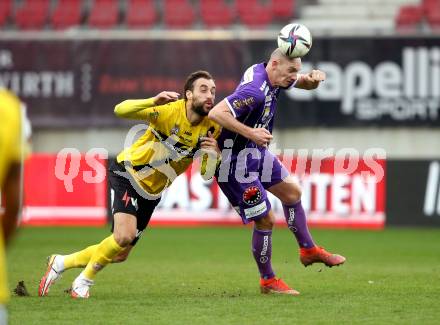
[208,276]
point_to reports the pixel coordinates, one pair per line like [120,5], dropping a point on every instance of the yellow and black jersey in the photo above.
[10,131]
[169,142]
[10,152]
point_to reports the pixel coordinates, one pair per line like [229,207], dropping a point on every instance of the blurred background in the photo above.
[72,61]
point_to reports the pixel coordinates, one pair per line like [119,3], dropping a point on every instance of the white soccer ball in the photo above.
[294,40]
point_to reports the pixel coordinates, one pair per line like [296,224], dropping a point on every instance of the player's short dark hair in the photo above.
[189,83]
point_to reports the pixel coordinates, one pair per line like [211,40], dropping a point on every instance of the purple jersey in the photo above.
[253,103]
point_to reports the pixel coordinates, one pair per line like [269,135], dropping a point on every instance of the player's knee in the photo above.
[269,223]
[293,195]
[120,258]
[266,223]
[124,239]
[296,194]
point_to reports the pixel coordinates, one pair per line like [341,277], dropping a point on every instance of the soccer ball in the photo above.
[294,40]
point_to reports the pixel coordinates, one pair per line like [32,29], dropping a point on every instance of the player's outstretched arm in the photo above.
[133,108]
[223,116]
[310,80]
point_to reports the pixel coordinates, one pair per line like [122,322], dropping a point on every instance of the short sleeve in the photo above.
[246,98]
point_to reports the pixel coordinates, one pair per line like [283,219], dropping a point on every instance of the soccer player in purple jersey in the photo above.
[248,169]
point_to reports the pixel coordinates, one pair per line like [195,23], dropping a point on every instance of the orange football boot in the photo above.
[318,254]
[276,285]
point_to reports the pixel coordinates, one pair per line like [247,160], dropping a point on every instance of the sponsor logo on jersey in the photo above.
[139,233]
[128,199]
[134,202]
[256,210]
[291,220]
[252,195]
[177,149]
[263,257]
[266,115]
[239,103]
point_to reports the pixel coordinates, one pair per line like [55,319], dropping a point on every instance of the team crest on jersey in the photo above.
[154,115]
[175,129]
[266,115]
[252,195]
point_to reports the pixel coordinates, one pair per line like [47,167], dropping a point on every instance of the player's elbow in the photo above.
[213,115]
[216,115]
[119,109]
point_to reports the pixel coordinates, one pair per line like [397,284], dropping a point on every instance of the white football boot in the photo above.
[80,287]
[55,266]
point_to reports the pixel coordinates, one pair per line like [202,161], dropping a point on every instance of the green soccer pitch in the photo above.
[208,276]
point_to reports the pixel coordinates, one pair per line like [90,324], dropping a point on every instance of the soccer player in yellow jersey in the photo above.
[10,166]
[177,130]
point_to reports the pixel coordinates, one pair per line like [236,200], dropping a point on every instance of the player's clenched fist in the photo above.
[165,97]
[315,76]
[311,80]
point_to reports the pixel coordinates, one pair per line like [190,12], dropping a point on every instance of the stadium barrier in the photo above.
[413,192]
[336,193]
[70,195]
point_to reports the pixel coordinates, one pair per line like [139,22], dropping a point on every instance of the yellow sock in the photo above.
[103,255]
[79,259]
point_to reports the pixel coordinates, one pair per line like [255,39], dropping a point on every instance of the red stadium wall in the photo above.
[47,202]
[336,193]
[331,197]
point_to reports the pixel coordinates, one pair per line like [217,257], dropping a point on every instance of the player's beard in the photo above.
[198,109]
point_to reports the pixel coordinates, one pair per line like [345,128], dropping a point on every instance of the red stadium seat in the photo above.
[104,14]
[283,9]
[5,11]
[433,19]
[141,14]
[429,5]
[216,13]
[409,16]
[254,14]
[431,9]
[66,14]
[178,14]
[32,14]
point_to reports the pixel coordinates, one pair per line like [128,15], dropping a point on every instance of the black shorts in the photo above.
[124,198]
